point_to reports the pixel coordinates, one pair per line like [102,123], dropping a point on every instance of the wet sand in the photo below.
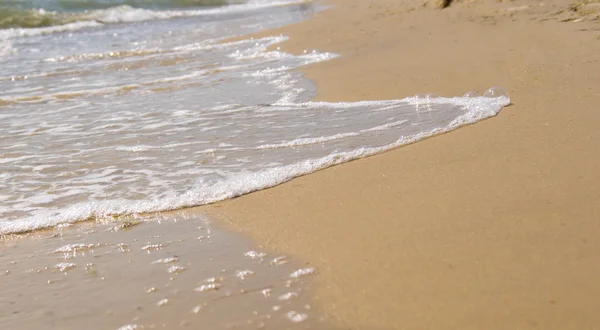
[167,271]
[492,226]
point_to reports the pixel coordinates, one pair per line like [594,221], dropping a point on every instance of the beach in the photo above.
[493,225]
[490,226]
[117,116]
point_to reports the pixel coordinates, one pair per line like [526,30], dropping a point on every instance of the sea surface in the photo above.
[122,107]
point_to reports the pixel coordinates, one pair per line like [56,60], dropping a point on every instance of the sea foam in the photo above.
[128,14]
[170,121]
[243,182]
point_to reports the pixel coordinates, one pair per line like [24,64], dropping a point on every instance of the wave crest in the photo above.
[11,17]
[22,14]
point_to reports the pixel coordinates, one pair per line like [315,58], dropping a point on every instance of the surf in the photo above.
[116,120]
[85,14]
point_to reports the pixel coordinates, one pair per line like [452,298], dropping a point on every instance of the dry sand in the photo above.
[493,226]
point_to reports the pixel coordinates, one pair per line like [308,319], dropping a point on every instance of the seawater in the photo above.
[126,109]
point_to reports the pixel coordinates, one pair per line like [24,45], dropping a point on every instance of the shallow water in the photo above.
[149,110]
[159,272]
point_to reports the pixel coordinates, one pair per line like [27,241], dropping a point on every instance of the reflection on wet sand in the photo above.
[160,272]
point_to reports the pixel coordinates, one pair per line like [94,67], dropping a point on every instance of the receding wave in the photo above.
[125,119]
[212,186]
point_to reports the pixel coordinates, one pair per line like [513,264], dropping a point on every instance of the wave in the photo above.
[476,109]
[16,18]
[64,12]
[18,22]
[83,5]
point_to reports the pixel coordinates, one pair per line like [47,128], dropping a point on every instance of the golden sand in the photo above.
[492,226]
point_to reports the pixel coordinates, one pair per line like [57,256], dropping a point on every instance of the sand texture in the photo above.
[492,226]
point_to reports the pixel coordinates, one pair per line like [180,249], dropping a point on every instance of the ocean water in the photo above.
[120,107]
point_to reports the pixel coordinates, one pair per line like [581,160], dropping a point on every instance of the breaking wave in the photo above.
[18,17]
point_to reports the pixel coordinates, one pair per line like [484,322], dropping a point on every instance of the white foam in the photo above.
[246,182]
[123,14]
[307,141]
[127,14]
[96,149]
[6,47]
[20,32]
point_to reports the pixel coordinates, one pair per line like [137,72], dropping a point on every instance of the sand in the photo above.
[163,271]
[492,226]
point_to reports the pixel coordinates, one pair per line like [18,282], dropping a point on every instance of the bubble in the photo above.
[471,94]
[175,269]
[432,96]
[208,287]
[254,254]
[496,92]
[302,272]
[243,274]
[288,296]
[153,247]
[296,317]
[165,260]
[64,266]
[129,327]
[213,280]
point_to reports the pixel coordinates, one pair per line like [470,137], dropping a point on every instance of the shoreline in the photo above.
[490,226]
[169,269]
[435,234]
